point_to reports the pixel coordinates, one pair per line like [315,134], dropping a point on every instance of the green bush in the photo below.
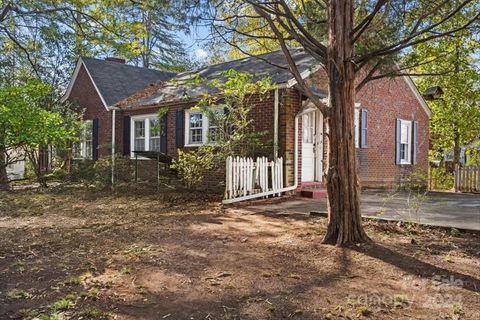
[417,180]
[441,179]
[83,171]
[193,166]
[103,171]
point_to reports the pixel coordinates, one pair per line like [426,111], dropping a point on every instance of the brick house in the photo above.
[391,117]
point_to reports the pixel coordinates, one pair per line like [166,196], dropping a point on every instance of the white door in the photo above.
[308,147]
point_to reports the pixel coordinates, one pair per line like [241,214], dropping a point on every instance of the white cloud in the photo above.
[200,54]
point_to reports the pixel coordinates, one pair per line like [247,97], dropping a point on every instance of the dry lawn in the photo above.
[68,253]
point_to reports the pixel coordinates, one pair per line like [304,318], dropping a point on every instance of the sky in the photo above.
[196,42]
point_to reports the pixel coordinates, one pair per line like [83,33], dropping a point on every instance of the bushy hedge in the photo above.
[99,173]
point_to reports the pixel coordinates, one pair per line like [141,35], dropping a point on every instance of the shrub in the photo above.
[193,166]
[103,171]
[417,180]
[441,179]
[83,171]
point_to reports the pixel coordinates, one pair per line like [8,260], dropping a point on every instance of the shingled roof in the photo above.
[273,65]
[116,81]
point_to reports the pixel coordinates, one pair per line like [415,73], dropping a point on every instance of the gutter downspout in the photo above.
[275,124]
[113,109]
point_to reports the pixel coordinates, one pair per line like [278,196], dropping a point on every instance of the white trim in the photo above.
[319,123]
[205,128]
[74,78]
[417,94]
[144,117]
[275,124]
[82,143]
[187,143]
[408,152]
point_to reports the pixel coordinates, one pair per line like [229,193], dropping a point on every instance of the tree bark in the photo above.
[344,225]
[3,170]
[3,163]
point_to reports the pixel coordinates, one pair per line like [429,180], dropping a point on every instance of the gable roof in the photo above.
[115,81]
[273,65]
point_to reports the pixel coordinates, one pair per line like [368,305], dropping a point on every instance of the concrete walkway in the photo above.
[443,209]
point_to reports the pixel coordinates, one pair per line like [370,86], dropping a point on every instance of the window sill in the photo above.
[405,163]
[193,145]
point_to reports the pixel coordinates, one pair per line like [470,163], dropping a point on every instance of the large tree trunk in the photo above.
[3,166]
[344,225]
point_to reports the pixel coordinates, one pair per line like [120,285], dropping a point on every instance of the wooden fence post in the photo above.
[456,177]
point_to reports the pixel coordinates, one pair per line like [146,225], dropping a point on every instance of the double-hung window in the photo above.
[139,135]
[198,129]
[84,148]
[405,142]
[145,133]
[154,135]
[195,128]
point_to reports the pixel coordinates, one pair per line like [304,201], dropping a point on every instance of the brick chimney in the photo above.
[115,59]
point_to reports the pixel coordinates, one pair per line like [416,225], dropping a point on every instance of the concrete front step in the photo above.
[314,193]
[311,185]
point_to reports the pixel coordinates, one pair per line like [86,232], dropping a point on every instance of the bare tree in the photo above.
[356,42]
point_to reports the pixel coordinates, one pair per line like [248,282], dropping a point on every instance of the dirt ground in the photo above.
[68,253]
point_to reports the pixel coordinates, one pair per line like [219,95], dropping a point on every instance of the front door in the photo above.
[308,147]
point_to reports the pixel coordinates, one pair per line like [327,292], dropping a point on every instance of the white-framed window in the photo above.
[198,130]
[145,133]
[357,127]
[154,135]
[83,149]
[405,142]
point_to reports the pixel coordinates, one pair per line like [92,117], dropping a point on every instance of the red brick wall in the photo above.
[85,95]
[386,100]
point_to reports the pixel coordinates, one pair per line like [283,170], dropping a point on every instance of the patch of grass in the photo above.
[29,313]
[365,311]
[271,308]
[19,266]
[457,310]
[92,293]
[126,270]
[48,317]
[79,279]
[62,304]
[294,276]
[449,258]
[400,301]
[455,232]
[266,274]
[93,314]
[17,294]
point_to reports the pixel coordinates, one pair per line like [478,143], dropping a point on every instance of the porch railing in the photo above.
[248,179]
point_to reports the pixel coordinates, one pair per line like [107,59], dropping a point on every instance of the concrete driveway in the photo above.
[443,209]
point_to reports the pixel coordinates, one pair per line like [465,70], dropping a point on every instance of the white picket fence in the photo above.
[249,179]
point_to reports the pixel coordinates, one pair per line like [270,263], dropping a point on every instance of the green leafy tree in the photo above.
[26,126]
[45,38]
[456,114]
